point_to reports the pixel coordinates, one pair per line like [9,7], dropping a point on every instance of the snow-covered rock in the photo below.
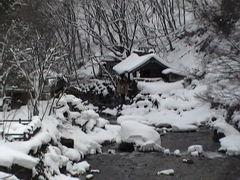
[166,151]
[166,172]
[89,176]
[188,161]
[95,171]
[194,153]
[78,168]
[72,154]
[195,148]
[141,135]
[225,128]
[180,127]
[177,152]
[230,144]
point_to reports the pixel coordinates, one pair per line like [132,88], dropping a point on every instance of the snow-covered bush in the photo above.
[98,87]
[72,109]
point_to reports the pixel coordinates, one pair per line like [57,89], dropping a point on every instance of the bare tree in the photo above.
[111,24]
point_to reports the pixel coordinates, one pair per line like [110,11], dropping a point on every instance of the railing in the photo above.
[149,79]
[17,136]
[20,121]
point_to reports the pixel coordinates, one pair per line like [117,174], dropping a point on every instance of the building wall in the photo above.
[152,70]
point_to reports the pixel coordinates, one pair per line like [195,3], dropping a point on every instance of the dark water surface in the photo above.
[144,166]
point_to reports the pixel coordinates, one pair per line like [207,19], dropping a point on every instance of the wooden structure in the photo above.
[109,62]
[16,97]
[15,136]
[141,66]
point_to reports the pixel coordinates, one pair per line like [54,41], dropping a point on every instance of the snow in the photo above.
[158,87]
[95,171]
[180,127]
[72,154]
[89,176]
[6,176]
[141,135]
[161,103]
[169,71]
[166,151]
[9,156]
[78,168]
[134,61]
[230,144]
[33,125]
[194,153]
[132,118]
[177,152]
[109,111]
[53,127]
[195,148]
[63,177]
[225,128]
[166,172]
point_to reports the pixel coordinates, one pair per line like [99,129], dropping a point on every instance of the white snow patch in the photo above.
[166,151]
[109,111]
[177,152]
[180,127]
[225,128]
[231,144]
[142,135]
[195,148]
[10,156]
[6,176]
[166,172]
[78,168]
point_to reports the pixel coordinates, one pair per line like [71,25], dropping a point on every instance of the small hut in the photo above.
[147,66]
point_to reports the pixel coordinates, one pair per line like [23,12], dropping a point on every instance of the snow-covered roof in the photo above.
[110,58]
[135,61]
[173,71]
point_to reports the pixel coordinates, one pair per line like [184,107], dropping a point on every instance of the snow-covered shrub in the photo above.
[53,160]
[73,110]
[58,158]
[87,120]
[98,87]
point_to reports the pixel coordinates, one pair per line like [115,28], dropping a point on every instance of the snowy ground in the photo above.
[72,119]
[163,104]
[160,107]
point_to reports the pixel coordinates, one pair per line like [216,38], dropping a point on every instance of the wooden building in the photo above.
[147,66]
